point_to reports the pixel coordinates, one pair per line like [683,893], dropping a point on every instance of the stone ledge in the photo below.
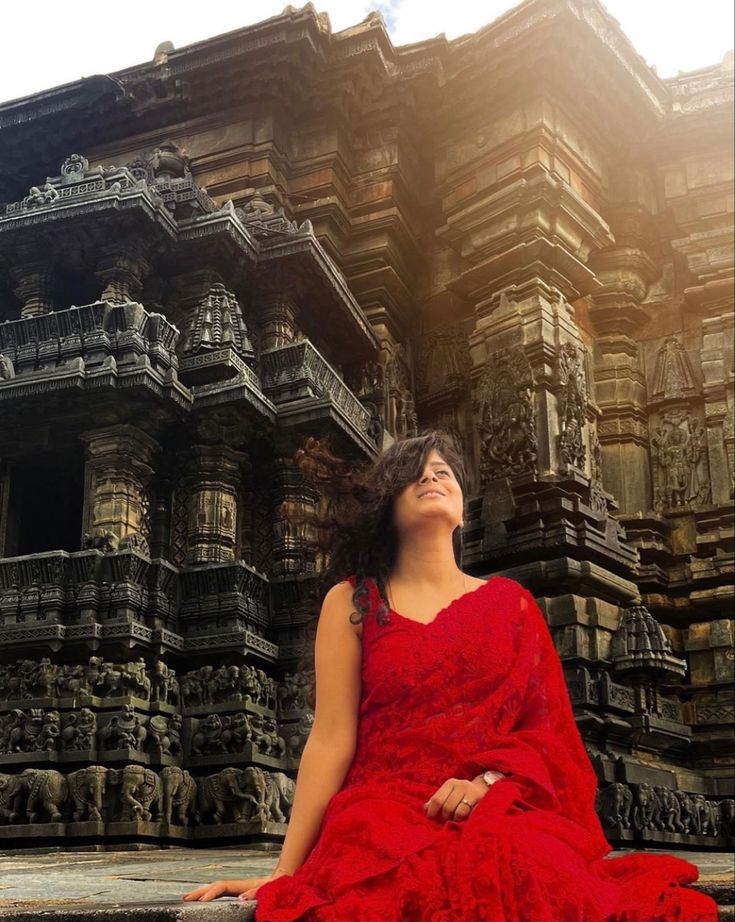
[219,911]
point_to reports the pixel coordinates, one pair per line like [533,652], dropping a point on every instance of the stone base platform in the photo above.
[147,885]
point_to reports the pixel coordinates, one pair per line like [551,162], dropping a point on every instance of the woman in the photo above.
[444,777]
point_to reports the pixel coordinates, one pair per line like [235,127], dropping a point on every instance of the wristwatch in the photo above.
[490,777]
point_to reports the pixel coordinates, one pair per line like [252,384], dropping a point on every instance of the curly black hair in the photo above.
[356,530]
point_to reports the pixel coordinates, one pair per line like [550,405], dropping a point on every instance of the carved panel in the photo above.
[681,478]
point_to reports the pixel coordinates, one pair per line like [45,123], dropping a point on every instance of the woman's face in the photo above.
[435,496]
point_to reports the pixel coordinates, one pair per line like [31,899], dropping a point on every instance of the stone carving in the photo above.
[401,418]
[27,680]
[87,788]
[206,686]
[641,644]
[45,792]
[34,730]
[680,477]
[125,730]
[506,416]
[139,791]
[74,168]
[39,196]
[217,734]
[164,684]
[296,691]
[178,792]
[572,405]
[443,361]
[299,735]
[241,795]
[673,376]
[164,734]
[615,804]
[646,807]
[217,323]
[7,370]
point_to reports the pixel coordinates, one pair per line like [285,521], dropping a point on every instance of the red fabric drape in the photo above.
[481,686]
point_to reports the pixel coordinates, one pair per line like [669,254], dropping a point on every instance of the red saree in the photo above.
[481,686]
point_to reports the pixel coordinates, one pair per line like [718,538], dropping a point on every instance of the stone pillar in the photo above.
[118,469]
[617,312]
[213,476]
[277,313]
[294,545]
[33,285]
[121,268]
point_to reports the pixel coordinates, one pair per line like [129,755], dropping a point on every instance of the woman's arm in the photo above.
[330,747]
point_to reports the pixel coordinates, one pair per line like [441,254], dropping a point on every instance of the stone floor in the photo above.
[147,886]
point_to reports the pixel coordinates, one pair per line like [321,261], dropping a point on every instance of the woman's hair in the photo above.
[355,530]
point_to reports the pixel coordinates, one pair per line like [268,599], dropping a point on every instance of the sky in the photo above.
[45,44]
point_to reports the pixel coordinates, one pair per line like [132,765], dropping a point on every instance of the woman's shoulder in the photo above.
[508,585]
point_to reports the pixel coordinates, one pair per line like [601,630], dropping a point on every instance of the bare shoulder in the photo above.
[338,605]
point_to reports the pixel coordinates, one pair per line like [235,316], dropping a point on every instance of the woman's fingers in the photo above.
[436,801]
[208,892]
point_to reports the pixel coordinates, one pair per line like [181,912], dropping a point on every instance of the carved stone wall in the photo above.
[466,237]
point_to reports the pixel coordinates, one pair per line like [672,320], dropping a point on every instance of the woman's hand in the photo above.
[447,801]
[247,888]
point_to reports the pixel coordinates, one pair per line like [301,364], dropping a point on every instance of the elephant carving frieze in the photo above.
[244,796]
[655,812]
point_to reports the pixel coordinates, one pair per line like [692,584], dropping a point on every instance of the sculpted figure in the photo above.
[50,731]
[616,801]
[44,678]
[222,796]
[72,681]
[135,679]
[87,788]
[178,795]
[300,734]
[643,798]
[139,789]
[80,729]
[11,730]
[280,791]
[124,731]
[240,732]
[160,681]
[210,737]
[12,798]
[165,734]
[7,371]
[46,791]
[727,815]
[276,745]
[686,812]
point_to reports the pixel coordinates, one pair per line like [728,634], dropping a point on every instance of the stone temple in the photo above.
[522,236]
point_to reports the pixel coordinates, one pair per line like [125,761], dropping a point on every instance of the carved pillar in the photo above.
[213,476]
[294,548]
[33,285]
[118,469]
[277,313]
[121,268]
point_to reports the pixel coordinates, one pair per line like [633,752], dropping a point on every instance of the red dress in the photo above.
[481,686]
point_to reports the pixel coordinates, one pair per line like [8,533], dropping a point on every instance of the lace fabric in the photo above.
[479,687]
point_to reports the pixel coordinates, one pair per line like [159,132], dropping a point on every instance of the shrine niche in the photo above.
[183,307]
[680,454]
